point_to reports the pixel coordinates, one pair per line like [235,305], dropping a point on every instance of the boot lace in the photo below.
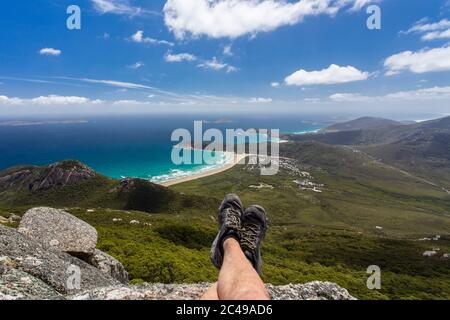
[250,236]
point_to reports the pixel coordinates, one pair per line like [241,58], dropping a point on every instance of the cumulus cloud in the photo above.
[4,100]
[216,65]
[49,100]
[260,100]
[232,18]
[431,30]
[180,57]
[138,37]
[50,52]
[334,74]
[425,60]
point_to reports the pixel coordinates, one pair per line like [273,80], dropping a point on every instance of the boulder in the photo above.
[310,291]
[13,218]
[53,267]
[18,285]
[108,265]
[61,230]
[430,253]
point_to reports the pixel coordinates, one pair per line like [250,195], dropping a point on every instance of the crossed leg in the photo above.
[238,280]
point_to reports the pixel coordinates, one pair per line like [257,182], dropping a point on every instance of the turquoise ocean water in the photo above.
[127,146]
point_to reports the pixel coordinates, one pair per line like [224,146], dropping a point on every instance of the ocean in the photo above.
[125,146]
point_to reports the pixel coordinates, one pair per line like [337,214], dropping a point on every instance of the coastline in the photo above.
[231,163]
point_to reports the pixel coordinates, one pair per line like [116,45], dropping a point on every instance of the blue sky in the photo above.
[304,56]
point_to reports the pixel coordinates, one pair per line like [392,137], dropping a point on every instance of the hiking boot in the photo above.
[230,216]
[254,227]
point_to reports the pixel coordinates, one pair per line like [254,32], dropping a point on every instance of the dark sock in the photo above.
[230,234]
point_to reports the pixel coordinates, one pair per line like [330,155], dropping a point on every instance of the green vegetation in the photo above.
[175,248]
[368,213]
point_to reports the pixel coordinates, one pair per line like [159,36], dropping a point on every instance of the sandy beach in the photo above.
[234,160]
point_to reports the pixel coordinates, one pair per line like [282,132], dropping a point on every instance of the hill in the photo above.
[73,184]
[420,148]
[363,123]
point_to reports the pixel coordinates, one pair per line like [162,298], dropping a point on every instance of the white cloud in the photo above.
[424,26]
[425,60]
[359,4]
[349,97]
[311,100]
[138,37]
[332,75]
[120,7]
[228,50]
[232,18]
[437,35]
[49,100]
[213,64]
[137,65]
[231,69]
[216,65]
[50,52]
[427,93]
[4,100]
[275,84]
[169,57]
[431,30]
[113,83]
[432,93]
[63,100]
[260,100]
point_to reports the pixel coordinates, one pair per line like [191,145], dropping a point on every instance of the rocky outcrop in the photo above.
[310,291]
[316,290]
[53,267]
[18,285]
[11,219]
[59,229]
[65,173]
[35,264]
[108,265]
[18,178]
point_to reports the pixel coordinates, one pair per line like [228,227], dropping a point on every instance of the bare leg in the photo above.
[211,294]
[238,280]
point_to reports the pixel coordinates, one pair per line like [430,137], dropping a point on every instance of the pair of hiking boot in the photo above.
[248,227]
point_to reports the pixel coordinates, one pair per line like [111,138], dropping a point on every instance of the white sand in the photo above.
[234,160]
